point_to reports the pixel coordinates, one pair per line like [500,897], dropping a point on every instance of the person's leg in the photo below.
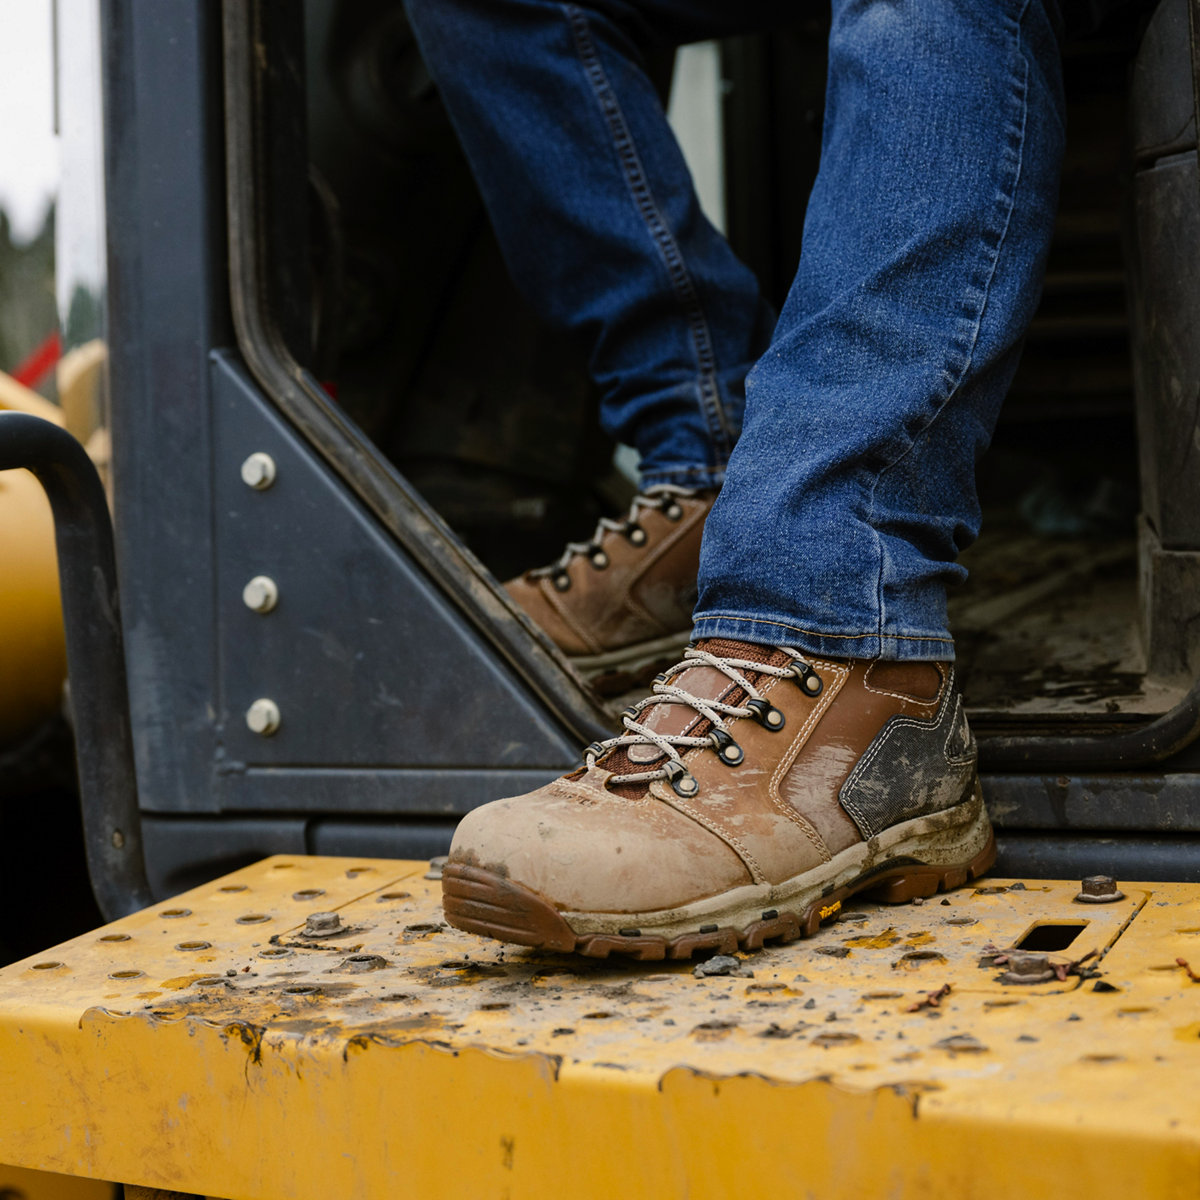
[595,210]
[813,744]
[853,486]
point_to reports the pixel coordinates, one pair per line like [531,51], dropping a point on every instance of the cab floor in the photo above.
[1048,626]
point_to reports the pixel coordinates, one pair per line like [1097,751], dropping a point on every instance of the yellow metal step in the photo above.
[210,1046]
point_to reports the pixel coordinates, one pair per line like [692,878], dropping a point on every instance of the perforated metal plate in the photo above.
[209,1046]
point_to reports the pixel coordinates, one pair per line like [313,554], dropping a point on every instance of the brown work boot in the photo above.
[750,794]
[620,606]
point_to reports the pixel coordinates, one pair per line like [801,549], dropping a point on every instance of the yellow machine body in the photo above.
[210,1046]
[17,1183]
[33,659]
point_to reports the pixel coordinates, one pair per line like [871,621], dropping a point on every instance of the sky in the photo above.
[28,146]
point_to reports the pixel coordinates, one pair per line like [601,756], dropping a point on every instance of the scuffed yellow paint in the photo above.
[462,1069]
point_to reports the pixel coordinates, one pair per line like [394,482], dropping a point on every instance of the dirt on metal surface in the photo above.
[396,970]
[1049,627]
[249,1023]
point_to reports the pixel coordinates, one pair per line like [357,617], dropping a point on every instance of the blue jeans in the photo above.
[846,439]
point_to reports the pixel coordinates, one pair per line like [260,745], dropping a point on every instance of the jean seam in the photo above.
[715,417]
[954,376]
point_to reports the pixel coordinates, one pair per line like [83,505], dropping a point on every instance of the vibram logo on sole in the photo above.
[829,910]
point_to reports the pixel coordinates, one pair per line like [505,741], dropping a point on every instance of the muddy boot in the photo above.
[620,606]
[749,795]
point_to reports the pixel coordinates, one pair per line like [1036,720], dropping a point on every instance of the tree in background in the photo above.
[28,314]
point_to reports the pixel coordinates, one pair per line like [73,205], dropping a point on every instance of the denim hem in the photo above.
[896,647]
[689,477]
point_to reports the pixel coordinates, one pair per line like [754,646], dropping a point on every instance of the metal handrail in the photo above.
[87,572]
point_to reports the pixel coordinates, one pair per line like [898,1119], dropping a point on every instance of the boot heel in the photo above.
[916,882]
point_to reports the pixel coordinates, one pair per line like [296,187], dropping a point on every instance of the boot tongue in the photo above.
[679,719]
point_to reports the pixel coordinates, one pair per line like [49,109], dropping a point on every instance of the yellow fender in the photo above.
[33,657]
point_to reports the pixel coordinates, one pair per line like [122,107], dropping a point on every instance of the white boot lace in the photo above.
[718,738]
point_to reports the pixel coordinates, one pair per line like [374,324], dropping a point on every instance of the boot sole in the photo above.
[480,901]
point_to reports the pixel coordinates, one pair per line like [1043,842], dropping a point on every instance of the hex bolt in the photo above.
[258,471]
[1028,968]
[263,717]
[1099,889]
[261,594]
[321,924]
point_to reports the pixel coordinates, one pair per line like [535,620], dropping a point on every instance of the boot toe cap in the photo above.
[610,855]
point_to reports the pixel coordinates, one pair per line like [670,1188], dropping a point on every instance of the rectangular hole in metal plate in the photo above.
[1051,935]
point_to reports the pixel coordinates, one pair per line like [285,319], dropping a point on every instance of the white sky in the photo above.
[28,147]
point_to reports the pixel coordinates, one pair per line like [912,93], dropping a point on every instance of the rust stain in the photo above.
[1183,962]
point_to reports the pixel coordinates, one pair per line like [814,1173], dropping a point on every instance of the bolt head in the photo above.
[1027,964]
[1028,968]
[322,922]
[263,717]
[1099,889]
[261,594]
[258,471]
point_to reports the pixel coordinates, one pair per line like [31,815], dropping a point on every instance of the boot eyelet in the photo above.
[561,581]
[683,784]
[766,714]
[636,534]
[728,751]
[672,511]
[810,682]
[594,749]
[599,560]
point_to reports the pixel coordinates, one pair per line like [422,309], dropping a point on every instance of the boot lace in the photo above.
[663,496]
[717,736]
